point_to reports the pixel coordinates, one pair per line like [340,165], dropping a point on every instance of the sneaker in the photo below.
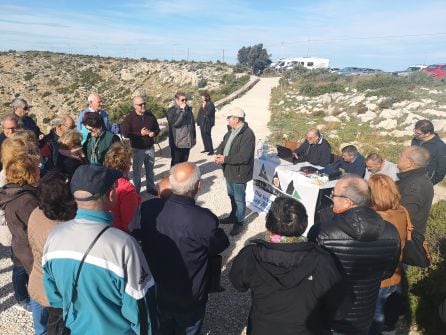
[237,228]
[23,306]
[228,220]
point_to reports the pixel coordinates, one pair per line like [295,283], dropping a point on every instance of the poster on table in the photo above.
[271,180]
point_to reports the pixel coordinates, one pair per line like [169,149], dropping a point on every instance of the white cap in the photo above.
[234,111]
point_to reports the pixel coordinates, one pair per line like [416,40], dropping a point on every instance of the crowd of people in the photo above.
[90,256]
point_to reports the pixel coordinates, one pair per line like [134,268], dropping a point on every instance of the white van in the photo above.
[307,62]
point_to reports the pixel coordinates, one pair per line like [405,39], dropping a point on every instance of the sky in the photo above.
[389,35]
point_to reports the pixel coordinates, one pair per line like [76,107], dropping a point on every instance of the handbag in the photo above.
[61,327]
[416,250]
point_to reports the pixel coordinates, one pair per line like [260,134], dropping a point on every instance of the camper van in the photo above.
[307,62]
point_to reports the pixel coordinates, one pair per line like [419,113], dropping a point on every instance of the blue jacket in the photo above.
[356,167]
[112,284]
[183,239]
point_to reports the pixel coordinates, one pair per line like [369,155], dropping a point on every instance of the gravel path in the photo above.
[227,311]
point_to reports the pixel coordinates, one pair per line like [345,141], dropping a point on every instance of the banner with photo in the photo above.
[271,180]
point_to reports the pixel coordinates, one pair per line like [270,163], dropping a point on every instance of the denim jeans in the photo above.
[379,318]
[146,157]
[189,323]
[40,317]
[20,283]
[236,192]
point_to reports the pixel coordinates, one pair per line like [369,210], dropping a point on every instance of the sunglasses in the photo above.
[141,104]
[183,100]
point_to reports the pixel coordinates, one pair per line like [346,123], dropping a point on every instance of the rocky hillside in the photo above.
[376,113]
[54,82]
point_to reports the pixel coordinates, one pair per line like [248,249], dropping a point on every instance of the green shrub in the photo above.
[202,83]
[427,287]
[314,90]
[379,81]
[393,93]
[28,76]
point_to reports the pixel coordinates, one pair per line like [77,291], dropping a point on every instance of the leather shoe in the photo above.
[228,220]
[202,152]
[236,229]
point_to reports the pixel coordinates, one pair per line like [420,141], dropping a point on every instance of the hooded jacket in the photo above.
[293,287]
[368,250]
[436,169]
[18,202]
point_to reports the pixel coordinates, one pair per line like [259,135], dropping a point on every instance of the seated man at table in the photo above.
[376,164]
[351,161]
[315,149]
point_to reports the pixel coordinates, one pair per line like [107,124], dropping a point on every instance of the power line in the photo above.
[366,38]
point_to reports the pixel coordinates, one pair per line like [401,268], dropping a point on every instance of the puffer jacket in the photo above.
[368,249]
[18,202]
[239,163]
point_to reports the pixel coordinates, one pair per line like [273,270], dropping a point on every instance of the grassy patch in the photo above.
[428,286]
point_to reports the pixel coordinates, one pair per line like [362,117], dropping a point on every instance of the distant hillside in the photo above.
[376,112]
[55,82]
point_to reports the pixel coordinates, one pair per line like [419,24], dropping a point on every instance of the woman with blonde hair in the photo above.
[386,201]
[18,199]
[71,155]
[119,157]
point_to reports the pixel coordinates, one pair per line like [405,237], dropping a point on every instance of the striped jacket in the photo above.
[114,278]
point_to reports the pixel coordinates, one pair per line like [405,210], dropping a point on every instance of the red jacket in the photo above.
[127,201]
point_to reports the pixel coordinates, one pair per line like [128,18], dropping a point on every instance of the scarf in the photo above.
[276,238]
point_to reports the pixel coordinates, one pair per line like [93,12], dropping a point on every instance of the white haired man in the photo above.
[187,236]
[366,247]
[95,104]
[20,109]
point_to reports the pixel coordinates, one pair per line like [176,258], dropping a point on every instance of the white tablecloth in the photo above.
[276,177]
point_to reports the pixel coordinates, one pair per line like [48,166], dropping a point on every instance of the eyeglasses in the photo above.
[141,104]
[333,195]
[183,100]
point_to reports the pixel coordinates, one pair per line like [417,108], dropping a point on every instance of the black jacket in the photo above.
[18,202]
[368,249]
[293,287]
[417,193]
[239,163]
[206,116]
[132,125]
[316,154]
[436,170]
[186,234]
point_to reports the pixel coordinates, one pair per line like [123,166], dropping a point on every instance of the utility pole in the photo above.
[223,55]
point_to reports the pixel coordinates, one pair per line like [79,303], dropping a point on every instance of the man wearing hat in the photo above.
[109,297]
[236,154]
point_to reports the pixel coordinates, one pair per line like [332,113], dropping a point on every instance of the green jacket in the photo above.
[95,149]
[239,163]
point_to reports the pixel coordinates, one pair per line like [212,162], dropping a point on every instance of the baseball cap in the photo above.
[234,111]
[94,179]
